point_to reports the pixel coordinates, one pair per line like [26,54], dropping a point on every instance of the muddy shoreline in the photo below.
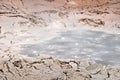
[18,67]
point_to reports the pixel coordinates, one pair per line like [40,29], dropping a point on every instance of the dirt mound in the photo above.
[92,22]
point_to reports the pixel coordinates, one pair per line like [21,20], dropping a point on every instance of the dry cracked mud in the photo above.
[14,67]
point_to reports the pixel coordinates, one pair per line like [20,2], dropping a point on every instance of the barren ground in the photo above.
[81,36]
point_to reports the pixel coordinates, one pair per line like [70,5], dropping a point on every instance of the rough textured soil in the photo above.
[14,67]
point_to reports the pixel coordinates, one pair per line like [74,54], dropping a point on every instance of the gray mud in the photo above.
[102,47]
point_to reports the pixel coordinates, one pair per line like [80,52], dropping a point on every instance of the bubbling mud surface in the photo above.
[99,46]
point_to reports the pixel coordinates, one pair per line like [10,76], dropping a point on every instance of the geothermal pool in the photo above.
[102,47]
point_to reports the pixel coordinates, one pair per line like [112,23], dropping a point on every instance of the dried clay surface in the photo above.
[14,67]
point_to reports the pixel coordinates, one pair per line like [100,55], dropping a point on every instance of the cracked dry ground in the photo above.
[46,68]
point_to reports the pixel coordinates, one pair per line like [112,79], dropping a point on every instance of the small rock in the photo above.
[74,65]
[94,68]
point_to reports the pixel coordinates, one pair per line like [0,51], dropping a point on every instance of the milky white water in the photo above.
[81,44]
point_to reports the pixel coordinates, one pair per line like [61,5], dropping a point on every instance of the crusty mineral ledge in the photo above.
[14,67]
